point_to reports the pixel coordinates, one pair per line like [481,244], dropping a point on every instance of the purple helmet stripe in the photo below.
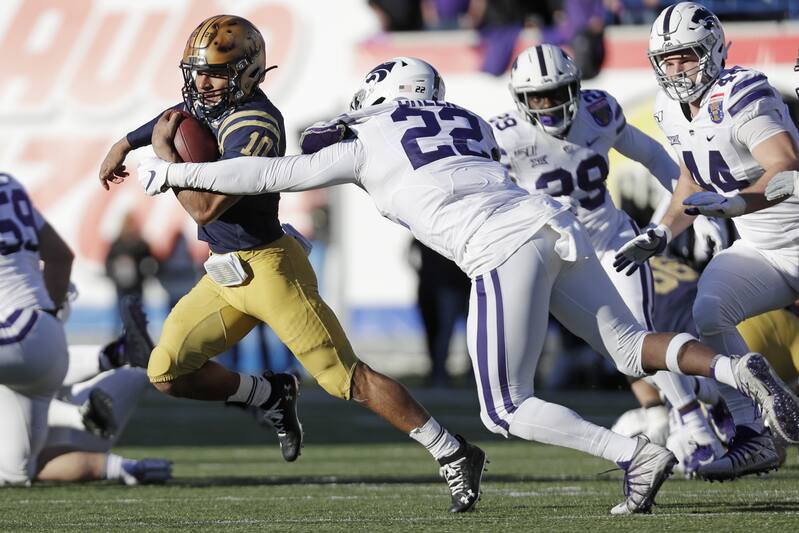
[667,21]
[748,99]
[502,356]
[541,60]
[482,354]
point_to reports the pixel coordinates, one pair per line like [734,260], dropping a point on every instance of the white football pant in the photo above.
[33,362]
[507,322]
[738,283]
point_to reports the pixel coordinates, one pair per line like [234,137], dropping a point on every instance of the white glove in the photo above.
[712,204]
[635,252]
[711,237]
[293,232]
[152,175]
[783,183]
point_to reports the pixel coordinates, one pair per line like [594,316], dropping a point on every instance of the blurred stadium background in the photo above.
[78,75]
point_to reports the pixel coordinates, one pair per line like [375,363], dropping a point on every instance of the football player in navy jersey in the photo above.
[257,272]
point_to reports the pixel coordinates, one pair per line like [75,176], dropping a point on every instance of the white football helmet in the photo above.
[546,68]
[405,78]
[687,27]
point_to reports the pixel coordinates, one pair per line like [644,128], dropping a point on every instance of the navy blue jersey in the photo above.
[675,292]
[255,128]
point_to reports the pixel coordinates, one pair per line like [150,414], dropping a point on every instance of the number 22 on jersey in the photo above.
[458,143]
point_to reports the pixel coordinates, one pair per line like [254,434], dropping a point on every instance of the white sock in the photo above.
[677,389]
[722,371]
[84,363]
[64,414]
[115,467]
[438,441]
[551,423]
[253,390]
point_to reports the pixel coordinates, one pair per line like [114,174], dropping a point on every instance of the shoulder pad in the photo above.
[507,126]
[738,89]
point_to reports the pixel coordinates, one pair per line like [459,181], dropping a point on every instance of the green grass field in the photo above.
[355,474]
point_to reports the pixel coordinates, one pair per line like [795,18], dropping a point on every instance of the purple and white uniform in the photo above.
[432,167]
[760,271]
[33,348]
[574,170]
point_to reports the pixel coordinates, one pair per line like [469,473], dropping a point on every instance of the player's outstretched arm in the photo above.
[112,168]
[334,165]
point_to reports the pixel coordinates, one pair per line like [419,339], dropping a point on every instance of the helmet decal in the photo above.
[380,72]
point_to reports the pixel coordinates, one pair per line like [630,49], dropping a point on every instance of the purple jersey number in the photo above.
[720,174]
[21,227]
[431,128]
[591,174]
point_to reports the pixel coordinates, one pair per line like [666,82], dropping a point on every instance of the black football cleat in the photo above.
[97,413]
[280,412]
[135,345]
[463,471]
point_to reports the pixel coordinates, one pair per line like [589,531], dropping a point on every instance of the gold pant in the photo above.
[282,292]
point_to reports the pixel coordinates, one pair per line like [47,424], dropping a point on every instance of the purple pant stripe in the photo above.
[502,356]
[23,332]
[645,273]
[482,354]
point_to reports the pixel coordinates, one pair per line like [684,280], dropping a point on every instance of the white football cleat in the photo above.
[757,380]
[643,475]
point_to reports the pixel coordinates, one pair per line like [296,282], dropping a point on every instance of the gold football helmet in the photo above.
[223,46]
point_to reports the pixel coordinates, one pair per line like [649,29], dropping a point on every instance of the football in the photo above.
[194,142]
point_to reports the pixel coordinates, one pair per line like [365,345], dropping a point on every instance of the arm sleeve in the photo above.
[334,165]
[758,129]
[640,147]
[141,136]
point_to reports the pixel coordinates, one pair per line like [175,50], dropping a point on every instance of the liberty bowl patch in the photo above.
[715,110]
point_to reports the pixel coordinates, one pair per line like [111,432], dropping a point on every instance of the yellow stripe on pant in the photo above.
[281,291]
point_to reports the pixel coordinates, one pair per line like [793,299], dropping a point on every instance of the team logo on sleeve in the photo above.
[600,111]
[715,108]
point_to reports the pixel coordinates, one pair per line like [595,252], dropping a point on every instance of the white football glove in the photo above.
[635,252]
[712,204]
[152,175]
[783,183]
